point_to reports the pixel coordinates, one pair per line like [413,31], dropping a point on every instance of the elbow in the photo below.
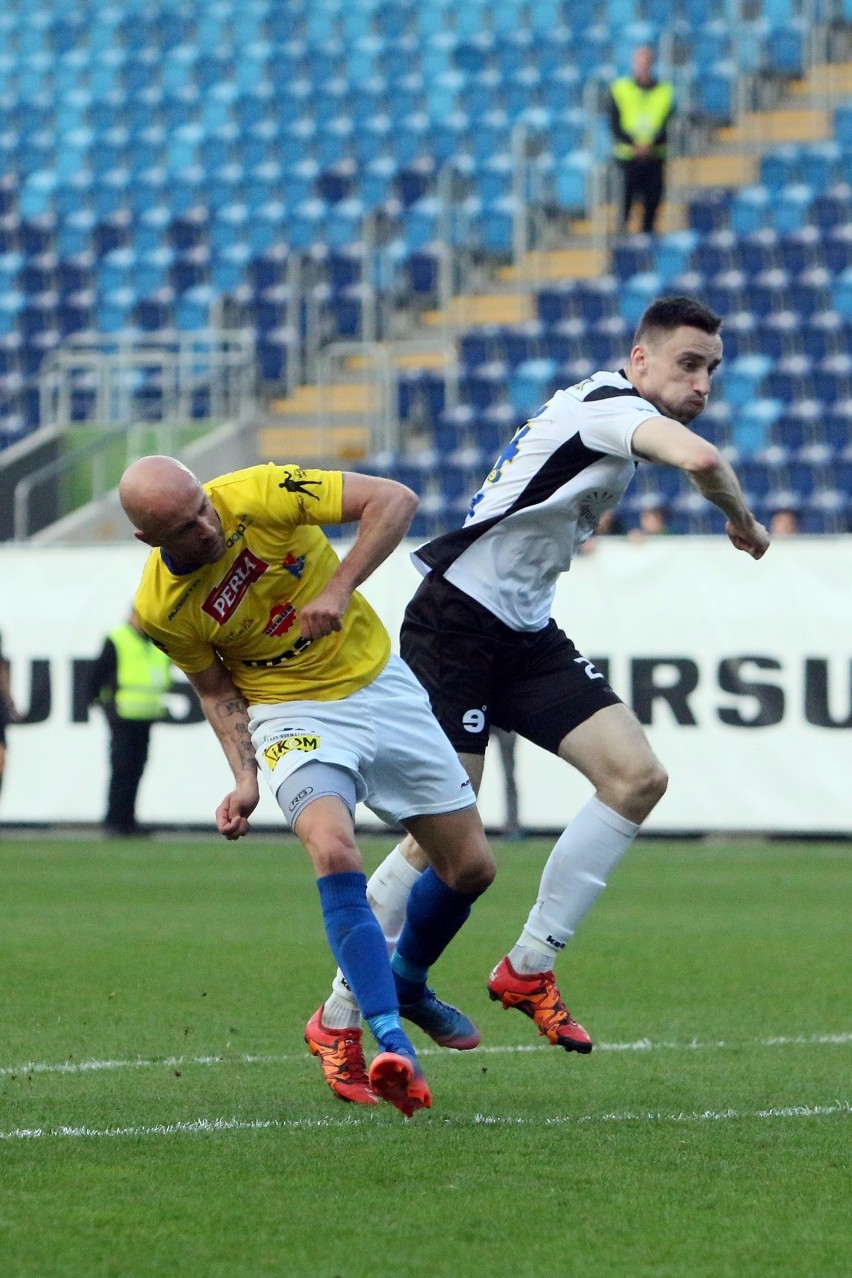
[704,459]
[408,501]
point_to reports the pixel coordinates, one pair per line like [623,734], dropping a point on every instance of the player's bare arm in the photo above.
[671,444]
[383,510]
[226,711]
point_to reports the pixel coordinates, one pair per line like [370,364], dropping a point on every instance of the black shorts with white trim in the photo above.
[478,671]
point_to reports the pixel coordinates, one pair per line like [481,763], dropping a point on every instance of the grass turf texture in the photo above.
[149,957]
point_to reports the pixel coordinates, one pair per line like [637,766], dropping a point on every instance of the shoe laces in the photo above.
[345,1061]
[549,1007]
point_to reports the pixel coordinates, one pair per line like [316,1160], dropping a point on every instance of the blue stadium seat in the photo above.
[784,48]
[496,224]
[710,212]
[530,384]
[749,209]
[636,293]
[484,387]
[635,254]
[715,91]
[671,253]
[833,378]
[272,353]
[836,249]
[571,178]
[742,377]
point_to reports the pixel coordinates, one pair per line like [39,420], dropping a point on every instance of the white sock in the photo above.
[341,1011]
[574,876]
[388,889]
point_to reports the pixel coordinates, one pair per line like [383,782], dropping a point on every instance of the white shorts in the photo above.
[384,734]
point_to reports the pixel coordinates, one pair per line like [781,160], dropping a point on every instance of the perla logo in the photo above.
[277,750]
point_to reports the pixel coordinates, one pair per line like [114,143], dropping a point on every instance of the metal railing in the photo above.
[115,372]
[101,453]
[147,393]
[379,369]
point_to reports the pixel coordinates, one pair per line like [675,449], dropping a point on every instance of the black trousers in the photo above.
[128,756]
[643,182]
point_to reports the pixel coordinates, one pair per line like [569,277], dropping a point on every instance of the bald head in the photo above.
[168,507]
[154,491]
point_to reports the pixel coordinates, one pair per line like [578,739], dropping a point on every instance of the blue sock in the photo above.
[357,942]
[434,915]
[389,1034]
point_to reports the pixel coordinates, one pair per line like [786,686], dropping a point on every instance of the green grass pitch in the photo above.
[160,1115]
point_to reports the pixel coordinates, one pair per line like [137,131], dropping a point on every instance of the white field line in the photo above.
[212,1125]
[640,1045]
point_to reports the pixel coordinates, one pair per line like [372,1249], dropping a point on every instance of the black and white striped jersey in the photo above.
[544,495]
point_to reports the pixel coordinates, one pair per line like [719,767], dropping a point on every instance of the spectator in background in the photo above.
[610,524]
[784,523]
[128,681]
[653,522]
[8,710]
[640,110]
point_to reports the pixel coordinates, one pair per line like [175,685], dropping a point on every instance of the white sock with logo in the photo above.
[575,874]
[388,889]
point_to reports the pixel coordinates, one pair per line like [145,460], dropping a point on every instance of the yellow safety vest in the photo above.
[143,675]
[642,113]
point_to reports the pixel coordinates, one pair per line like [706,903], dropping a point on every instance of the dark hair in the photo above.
[668,313]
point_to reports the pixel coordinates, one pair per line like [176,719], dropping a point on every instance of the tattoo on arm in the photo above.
[235,709]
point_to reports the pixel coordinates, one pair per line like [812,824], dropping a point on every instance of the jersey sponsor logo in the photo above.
[238,533]
[182,600]
[591,506]
[304,743]
[236,633]
[282,617]
[473,720]
[294,566]
[226,597]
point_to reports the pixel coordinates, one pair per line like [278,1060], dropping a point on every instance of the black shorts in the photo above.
[477,671]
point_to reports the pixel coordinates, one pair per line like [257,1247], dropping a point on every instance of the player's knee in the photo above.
[337,856]
[635,790]
[473,870]
[649,785]
[331,851]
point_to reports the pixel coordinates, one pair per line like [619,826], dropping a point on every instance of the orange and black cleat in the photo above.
[342,1058]
[537,997]
[398,1078]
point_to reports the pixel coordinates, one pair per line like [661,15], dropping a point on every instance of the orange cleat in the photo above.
[537,997]
[399,1079]
[342,1058]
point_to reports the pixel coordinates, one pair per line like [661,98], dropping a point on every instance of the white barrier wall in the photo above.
[741,671]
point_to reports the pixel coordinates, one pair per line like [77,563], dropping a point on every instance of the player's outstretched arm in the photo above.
[669,443]
[226,712]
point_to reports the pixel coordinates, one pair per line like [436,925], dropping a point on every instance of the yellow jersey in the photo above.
[245,606]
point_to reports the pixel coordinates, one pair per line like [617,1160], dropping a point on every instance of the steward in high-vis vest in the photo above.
[640,110]
[128,681]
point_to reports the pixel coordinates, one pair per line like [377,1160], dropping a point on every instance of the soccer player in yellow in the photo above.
[295,675]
